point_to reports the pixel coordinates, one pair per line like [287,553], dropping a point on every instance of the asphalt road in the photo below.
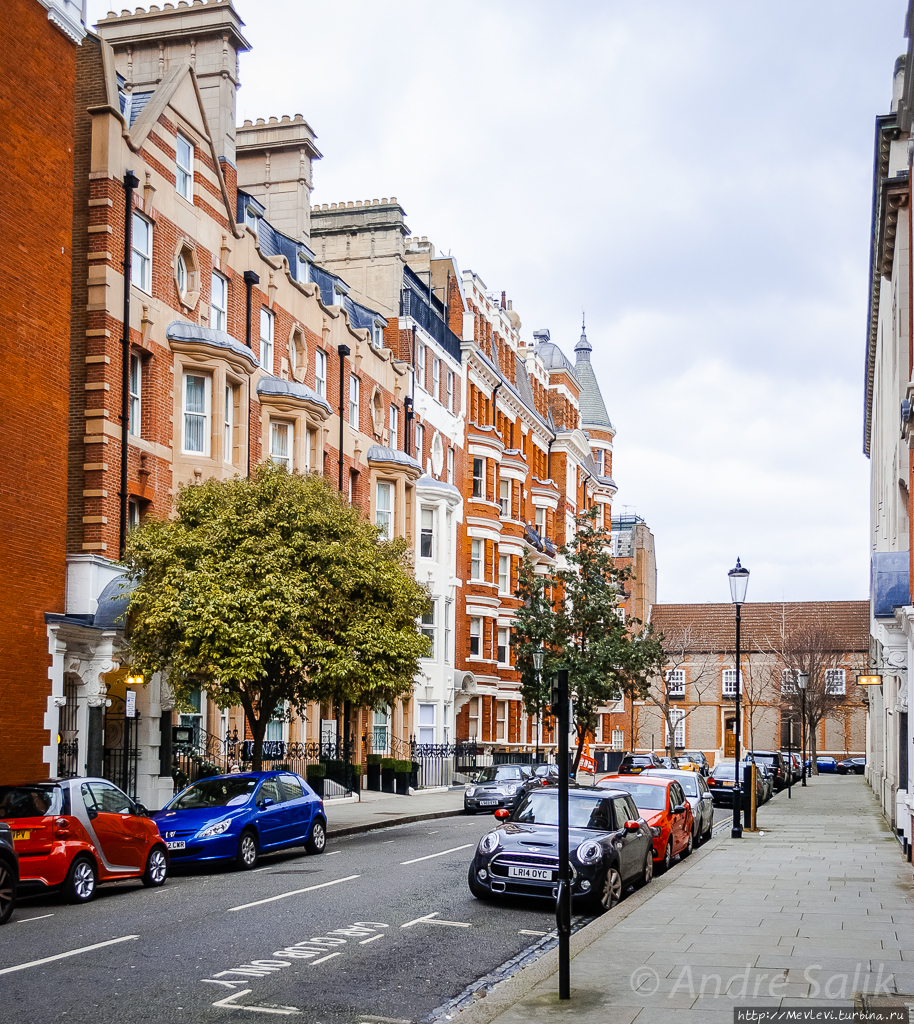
[381,927]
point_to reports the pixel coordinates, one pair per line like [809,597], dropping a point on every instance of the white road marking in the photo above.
[71,952]
[374,938]
[333,854]
[284,895]
[528,931]
[431,856]
[25,920]
[229,1003]
[323,959]
[437,830]
[430,919]
[387,841]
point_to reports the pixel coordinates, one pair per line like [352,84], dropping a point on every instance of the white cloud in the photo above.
[696,175]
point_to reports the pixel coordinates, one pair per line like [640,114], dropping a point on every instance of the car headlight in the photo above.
[215,830]
[471,791]
[589,852]
[488,843]
[511,790]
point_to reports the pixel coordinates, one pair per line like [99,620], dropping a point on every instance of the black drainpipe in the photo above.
[250,279]
[549,457]
[343,351]
[495,391]
[131,182]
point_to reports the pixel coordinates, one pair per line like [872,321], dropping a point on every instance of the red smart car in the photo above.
[72,834]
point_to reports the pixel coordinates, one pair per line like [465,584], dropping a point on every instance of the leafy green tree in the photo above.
[582,630]
[270,590]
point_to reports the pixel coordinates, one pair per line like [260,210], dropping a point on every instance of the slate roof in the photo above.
[593,408]
[378,453]
[112,603]
[713,626]
[181,330]
[554,358]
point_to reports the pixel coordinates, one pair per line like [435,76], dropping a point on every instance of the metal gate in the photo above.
[121,747]
[67,742]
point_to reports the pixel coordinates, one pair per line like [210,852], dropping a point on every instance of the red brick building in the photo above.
[37,91]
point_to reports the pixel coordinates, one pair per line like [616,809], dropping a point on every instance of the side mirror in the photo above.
[502,813]
[267,801]
[92,813]
[706,796]
[631,826]
[679,809]
[141,810]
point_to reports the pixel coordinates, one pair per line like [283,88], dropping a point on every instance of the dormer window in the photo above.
[377,334]
[338,295]
[304,269]
[184,168]
[251,218]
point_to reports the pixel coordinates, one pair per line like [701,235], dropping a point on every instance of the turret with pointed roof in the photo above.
[593,408]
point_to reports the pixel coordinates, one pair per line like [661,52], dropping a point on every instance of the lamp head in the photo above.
[739,581]
[802,680]
[538,659]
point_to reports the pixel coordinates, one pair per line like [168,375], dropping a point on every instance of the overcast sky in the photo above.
[695,175]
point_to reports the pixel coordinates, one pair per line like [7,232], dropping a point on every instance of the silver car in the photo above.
[499,785]
[699,797]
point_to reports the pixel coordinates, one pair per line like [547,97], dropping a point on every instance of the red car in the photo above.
[72,834]
[665,807]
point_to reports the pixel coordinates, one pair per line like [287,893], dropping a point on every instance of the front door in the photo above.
[112,824]
[730,737]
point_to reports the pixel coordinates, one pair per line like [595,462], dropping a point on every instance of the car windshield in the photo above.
[227,791]
[542,808]
[723,771]
[500,773]
[689,784]
[546,769]
[647,797]
[769,759]
[638,762]
[30,801]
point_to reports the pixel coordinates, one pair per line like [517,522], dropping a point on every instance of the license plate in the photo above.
[726,782]
[21,833]
[175,845]
[488,803]
[537,874]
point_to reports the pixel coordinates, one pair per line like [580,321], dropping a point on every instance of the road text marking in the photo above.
[284,895]
[71,952]
[229,1003]
[416,860]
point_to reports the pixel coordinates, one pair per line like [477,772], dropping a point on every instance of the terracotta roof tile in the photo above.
[713,626]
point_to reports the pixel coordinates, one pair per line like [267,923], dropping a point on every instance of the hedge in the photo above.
[374,759]
[403,766]
[316,771]
[389,762]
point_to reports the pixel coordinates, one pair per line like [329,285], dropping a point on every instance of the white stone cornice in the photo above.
[68,17]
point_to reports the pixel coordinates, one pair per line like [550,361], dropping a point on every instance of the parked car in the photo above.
[721,784]
[699,797]
[237,817]
[634,764]
[697,758]
[764,781]
[610,844]
[9,873]
[793,758]
[72,834]
[826,765]
[775,762]
[664,806]
[669,762]
[852,766]
[498,785]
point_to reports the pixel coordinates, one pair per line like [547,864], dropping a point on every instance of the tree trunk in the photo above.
[258,728]
[811,747]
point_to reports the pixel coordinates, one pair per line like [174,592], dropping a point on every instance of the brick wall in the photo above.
[36,153]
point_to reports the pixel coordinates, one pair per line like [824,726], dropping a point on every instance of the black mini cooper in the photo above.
[610,847]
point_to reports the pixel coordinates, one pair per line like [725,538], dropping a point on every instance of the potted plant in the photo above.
[373,771]
[388,774]
[414,774]
[404,771]
[315,773]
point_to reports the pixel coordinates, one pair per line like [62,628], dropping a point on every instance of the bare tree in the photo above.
[814,648]
[760,689]
[682,648]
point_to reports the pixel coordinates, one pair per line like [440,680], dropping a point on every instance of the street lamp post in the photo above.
[789,756]
[802,682]
[538,666]
[563,900]
[739,581]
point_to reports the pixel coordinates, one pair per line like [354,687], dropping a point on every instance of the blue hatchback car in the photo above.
[237,817]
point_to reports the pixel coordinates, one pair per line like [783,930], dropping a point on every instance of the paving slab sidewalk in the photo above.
[813,910]
[381,810]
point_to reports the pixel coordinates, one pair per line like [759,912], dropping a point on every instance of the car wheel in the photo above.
[317,838]
[667,859]
[156,868]
[82,879]
[647,873]
[690,845]
[611,890]
[479,891]
[7,892]
[247,854]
